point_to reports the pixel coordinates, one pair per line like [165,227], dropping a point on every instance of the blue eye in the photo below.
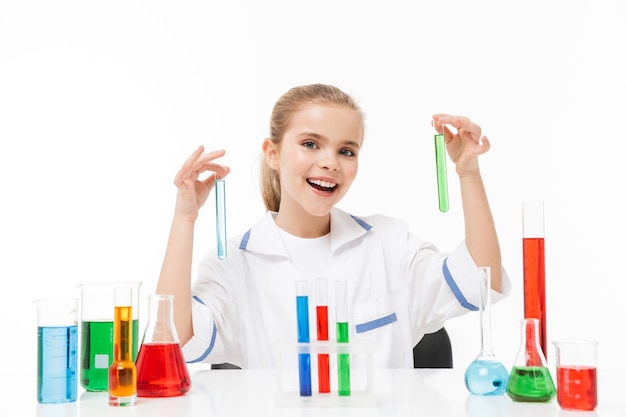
[346,152]
[309,144]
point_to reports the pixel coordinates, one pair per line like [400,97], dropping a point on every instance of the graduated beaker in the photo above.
[161,367]
[576,374]
[96,330]
[57,339]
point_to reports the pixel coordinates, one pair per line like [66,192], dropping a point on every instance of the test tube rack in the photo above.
[361,373]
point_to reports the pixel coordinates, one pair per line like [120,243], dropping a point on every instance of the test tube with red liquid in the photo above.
[321,311]
[534,267]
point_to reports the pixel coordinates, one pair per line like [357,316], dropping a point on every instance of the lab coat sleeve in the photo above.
[466,276]
[214,311]
[432,297]
[446,285]
[198,348]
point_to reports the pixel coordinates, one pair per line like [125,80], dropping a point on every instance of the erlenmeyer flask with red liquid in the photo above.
[161,367]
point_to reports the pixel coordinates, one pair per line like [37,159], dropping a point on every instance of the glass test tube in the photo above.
[220,217]
[343,359]
[123,373]
[304,359]
[321,310]
[442,175]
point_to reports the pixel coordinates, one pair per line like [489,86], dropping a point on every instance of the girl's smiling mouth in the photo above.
[322,185]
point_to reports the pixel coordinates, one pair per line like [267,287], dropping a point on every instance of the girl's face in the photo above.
[317,160]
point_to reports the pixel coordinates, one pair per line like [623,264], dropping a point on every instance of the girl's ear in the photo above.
[270,153]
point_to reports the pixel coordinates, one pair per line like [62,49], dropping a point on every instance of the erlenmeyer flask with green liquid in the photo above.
[530,380]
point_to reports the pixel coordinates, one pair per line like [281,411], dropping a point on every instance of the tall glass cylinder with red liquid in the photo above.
[534,267]
[161,367]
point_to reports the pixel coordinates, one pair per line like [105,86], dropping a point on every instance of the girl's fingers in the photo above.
[485,144]
[220,170]
[197,163]
[209,156]
[185,174]
[462,124]
[193,157]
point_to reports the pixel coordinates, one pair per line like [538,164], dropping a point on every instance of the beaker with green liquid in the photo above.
[96,330]
[530,380]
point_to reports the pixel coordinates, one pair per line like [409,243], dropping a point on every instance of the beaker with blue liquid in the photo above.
[486,375]
[57,340]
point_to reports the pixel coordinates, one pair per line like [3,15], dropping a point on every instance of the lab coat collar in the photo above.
[264,237]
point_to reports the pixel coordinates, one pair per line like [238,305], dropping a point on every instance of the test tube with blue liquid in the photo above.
[220,217]
[304,359]
[341,314]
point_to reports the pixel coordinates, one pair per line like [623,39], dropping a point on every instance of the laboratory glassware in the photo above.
[304,359]
[161,367]
[122,372]
[530,380]
[57,359]
[342,315]
[442,175]
[486,375]
[534,267]
[321,310]
[96,331]
[576,374]
[220,217]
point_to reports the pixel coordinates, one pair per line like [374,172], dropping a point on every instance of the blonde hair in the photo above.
[287,104]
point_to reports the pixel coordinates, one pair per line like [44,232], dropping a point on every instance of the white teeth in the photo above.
[324,184]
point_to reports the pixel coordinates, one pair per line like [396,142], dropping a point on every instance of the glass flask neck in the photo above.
[532,353]
[486,347]
[160,328]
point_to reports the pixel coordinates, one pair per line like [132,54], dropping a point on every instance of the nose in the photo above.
[329,161]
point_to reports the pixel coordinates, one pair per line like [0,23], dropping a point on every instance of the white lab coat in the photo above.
[244,308]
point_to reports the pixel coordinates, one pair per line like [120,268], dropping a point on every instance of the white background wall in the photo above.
[100,103]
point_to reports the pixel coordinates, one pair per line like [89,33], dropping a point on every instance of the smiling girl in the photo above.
[242,308]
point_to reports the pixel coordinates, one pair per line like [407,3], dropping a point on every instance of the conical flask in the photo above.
[530,379]
[161,367]
[486,375]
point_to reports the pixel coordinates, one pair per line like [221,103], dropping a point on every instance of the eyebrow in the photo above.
[324,138]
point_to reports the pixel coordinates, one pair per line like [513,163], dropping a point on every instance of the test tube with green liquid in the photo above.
[343,359]
[442,176]
[220,217]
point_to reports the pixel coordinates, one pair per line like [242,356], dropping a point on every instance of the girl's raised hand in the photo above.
[192,190]
[465,144]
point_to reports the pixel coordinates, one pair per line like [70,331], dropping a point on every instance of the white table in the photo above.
[419,392]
